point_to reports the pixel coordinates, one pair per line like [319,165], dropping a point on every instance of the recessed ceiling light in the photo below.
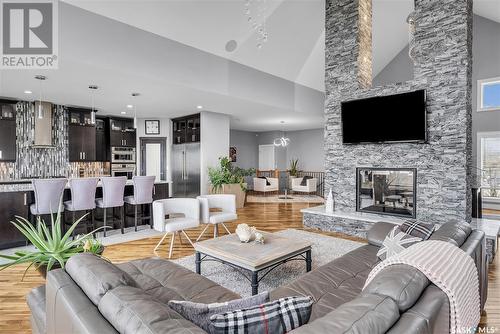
[28,92]
[129,106]
[123,113]
[199,107]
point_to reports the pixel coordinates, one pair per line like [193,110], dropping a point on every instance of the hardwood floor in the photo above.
[14,313]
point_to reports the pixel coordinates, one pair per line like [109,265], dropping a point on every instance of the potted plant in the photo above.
[53,248]
[294,171]
[228,179]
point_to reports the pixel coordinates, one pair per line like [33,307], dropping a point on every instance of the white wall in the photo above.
[214,143]
[305,145]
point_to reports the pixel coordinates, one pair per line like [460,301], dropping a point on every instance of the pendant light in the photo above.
[283,141]
[135,110]
[93,88]
[40,112]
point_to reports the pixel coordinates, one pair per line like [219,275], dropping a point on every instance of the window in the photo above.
[488,97]
[489,162]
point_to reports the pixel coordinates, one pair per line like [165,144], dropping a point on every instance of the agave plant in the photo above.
[53,248]
[294,164]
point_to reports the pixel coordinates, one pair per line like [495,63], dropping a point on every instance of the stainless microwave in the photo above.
[123,155]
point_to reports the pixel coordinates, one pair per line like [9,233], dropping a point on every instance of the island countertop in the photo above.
[25,185]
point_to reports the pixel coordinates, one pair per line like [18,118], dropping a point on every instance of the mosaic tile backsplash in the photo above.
[37,162]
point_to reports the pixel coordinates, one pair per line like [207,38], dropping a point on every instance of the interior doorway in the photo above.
[154,157]
[266,157]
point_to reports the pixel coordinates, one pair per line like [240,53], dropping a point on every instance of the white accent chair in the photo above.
[260,185]
[186,215]
[226,203]
[310,187]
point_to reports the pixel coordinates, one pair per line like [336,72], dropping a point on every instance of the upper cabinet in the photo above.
[186,129]
[81,136]
[7,132]
[122,132]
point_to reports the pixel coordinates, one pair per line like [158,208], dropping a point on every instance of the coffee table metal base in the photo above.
[254,274]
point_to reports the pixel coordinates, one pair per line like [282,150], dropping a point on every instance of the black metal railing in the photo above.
[320,176]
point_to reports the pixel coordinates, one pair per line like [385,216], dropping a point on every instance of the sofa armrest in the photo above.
[259,184]
[312,184]
[296,181]
[378,232]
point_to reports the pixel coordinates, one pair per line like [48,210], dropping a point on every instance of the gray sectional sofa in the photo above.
[94,296]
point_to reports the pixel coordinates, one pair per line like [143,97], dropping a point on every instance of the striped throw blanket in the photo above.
[450,269]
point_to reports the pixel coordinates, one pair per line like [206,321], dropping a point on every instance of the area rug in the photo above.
[292,198]
[324,250]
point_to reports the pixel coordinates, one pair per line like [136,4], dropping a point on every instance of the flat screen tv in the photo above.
[385,119]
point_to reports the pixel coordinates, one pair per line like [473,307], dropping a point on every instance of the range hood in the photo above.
[43,126]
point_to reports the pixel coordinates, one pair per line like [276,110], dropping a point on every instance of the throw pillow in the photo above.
[199,313]
[417,229]
[304,180]
[396,241]
[265,178]
[276,317]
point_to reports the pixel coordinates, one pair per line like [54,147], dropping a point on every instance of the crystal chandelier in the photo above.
[255,11]
[283,141]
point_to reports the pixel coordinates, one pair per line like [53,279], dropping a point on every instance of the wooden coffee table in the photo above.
[253,257]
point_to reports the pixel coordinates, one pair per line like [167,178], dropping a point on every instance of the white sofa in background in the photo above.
[310,187]
[260,185]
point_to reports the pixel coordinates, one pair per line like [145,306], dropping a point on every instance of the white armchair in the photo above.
[226,203]
[310,186]
[187,208]
[260,185]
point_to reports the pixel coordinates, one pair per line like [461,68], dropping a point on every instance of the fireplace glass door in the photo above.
[386,191]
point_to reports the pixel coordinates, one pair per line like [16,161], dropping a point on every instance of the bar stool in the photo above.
[82,199]
[113,189]
[48,197]
[143,195]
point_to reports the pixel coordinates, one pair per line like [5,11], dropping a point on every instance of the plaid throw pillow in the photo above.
[417,229]
[395,242]
[200,314]
[276,317]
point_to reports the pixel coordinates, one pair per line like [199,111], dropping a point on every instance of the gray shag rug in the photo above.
[324,250]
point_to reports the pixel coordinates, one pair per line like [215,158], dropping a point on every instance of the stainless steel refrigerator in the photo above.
[186,170]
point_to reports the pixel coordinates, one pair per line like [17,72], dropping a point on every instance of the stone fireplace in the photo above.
[444,180]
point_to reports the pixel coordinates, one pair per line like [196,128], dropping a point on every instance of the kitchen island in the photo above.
[16,196]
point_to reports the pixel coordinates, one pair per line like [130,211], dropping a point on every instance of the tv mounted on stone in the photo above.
[385,119]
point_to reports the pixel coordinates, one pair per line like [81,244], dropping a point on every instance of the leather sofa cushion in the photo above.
[372,314]
[378,232]
[454,232]
[132,311]
[36,303]
[404,284]
[96,276]
[167,281]
[334,283]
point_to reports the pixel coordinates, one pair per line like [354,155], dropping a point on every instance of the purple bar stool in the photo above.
[48,196]
[82,198]
[143,195]
[113,189]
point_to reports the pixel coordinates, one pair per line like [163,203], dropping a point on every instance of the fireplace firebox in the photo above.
[387,191]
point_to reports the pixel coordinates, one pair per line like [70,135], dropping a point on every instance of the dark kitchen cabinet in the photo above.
[122,132]
[12,204]
[101,141]
[82,143]
[7,132]
[186,129]
[7,139]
